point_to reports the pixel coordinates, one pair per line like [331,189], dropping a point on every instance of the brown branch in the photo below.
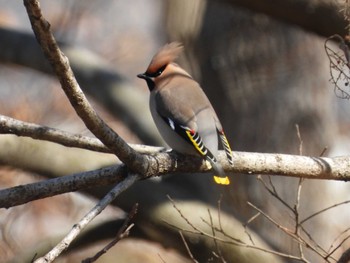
[337,168]
[77,228]
[323,210]
[339,65]
[22,194]
[203,230]
[61,67]
[122,233]
[20,128]
[187,248]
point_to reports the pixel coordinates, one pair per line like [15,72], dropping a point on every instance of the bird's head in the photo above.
[160,61]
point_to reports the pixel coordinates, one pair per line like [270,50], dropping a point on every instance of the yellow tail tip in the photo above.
[221,180]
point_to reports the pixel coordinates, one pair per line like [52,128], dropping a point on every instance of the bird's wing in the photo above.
[178,116]
[181,118]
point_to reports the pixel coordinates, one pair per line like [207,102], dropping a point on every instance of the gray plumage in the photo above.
[181,111]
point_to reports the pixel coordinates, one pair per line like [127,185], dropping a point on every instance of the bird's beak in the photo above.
[142,76]
[148,79]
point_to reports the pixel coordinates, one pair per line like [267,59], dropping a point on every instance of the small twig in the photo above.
[338,237]
[77,228]
[272,190]
[245,225]
[196,230]
[339,65]
[160,257]
[233,241]
[122,233]
[297,200]
[323,210]
[296,214]
[315,244]
[219,212]
[284,229]
[300,140]
[213,228]
[187,248]
[290,233]
[325,149]
[182,215]
[338,246]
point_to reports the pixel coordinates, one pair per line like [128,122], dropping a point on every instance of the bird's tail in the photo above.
[197,142]
[220,177]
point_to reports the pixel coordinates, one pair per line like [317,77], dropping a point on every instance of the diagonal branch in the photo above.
[122,233]
[62,69]
[22,194]
[77,228]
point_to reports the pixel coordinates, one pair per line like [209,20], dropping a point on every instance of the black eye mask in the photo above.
[157,73]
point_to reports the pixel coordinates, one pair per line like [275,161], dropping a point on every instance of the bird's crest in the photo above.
[164,56]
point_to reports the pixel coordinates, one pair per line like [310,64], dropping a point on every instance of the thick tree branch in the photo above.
[22,194]
[252,163]
[337,168]
[60,64]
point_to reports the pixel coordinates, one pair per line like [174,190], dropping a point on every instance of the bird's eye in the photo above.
[157,73]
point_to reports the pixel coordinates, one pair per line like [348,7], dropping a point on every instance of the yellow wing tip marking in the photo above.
[221,180]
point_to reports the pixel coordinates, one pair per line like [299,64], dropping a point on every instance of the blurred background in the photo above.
[264,68]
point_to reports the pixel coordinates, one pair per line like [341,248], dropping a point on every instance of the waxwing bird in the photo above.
[182,112]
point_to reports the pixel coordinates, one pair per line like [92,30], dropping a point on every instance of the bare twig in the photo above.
[187,248]
[246,227]
[284,229]
[160,257]
[297,200]
[195,230]
[213,228]
[231,241]
[77,228]
[339,66]
[227,239]
[272,190]
[338,246]
[338,237]
[300,140]
[323,210]
[298,238]
[182,215]
[122,233]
